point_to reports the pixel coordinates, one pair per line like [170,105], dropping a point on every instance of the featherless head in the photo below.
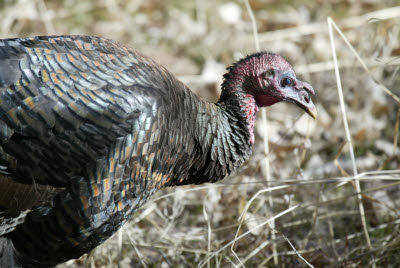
[268,78]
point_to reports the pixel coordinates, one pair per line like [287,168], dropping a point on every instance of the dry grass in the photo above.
[325,205]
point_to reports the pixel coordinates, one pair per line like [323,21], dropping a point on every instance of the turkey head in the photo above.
[269,79]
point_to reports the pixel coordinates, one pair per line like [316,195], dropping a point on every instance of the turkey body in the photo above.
[89,130]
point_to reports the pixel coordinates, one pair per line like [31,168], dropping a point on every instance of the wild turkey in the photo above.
[91,129]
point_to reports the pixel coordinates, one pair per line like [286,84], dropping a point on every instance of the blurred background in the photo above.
[310,163]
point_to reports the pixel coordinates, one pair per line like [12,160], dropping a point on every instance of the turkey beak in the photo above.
[301,97]
[310,109]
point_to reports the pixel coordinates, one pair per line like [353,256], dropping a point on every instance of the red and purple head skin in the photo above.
[263,79]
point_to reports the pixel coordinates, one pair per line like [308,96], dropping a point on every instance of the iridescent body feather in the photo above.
[104,126]
[90,129]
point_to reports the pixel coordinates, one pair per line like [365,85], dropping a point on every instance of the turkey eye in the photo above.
[286,82]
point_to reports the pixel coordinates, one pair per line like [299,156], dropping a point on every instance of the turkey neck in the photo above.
[236,100]
[224,135]
[242,106]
